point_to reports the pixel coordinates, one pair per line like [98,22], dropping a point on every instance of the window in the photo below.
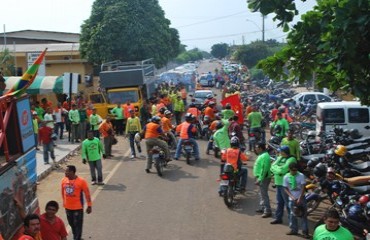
[323,98]
[358,115]
[309,97]
[334,115]
[96,98]
[123,97]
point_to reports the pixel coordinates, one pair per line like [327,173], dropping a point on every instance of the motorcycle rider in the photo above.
[187,132]
[235,156]
[279,168]
[152,131]
[281,125]
[235,129]
[255,119]
[210,110]
[194,111]
[212,128]
[228,112]
[167,126]
[221,138]
[209,99]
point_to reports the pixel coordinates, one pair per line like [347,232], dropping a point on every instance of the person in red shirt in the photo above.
[45,134]
[52,226]
[73,188]
[31,228]
[45,104]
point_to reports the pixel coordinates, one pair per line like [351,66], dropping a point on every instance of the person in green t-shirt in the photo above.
[255,122]
[332,230]
[74,118]
[227,113]
[95,120]
[280,126]
[221,138]
[83,121]
[118,118]
[279,168]
[92,151]
[293,144]
[40,111]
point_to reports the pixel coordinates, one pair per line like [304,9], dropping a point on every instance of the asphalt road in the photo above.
[182,205]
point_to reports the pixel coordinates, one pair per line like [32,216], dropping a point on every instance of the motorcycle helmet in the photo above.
[162,110]
[281,109]
[188,116]
[167,112]
[211,103]
[340,150]
[363,200]
[336,187]
[355,212]
[156,119]
[355,134]
[313,162]
[284,149]
[234,142]
[54,136]
[192,105]
[219,125]
[320,170]
[218,116]
[137,137]
[209,96]
[275,140]
[228,106]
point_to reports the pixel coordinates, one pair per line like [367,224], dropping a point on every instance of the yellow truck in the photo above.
[123,81]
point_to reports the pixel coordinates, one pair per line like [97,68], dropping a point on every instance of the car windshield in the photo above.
[203,81]
[123,97]
[202,94]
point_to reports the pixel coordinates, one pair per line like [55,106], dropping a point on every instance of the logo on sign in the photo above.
[24,118]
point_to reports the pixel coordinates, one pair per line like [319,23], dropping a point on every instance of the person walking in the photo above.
[92,151]
[35,124]
[133,127]
[47,143]
[294,183]
[279,168]
[74,118]
[73,189]
[262,174]
[106,130]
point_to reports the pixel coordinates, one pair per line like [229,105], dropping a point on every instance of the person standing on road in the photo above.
[294,183]
[95,120]
[83,121]
[73,188]
[332,230]
[59,113]
[133,126]
[106,130]
[118,118]
[52,226]
[35,124]
[74,118]
[279,168]
[92,151]
[261,171]
[280,126]
[179,109]
[293,144]
[144,113]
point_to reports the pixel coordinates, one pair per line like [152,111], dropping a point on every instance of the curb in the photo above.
[62,160]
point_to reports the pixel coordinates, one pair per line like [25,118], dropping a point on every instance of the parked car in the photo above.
[304,97]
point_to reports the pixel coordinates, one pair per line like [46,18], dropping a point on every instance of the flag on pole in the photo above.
[27,78]
[236,106]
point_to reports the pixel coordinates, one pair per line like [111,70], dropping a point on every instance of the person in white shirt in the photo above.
[59,113]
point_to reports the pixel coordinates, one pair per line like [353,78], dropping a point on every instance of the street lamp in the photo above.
[263,26]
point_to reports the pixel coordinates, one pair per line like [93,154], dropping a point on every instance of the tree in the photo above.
[191,55]
[220,50]
[128,30]
[7,63]
[331,43]
[250,54]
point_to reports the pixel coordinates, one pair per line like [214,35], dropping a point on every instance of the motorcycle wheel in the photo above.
[229,197]
[312,205]
[159,166]
[188,158]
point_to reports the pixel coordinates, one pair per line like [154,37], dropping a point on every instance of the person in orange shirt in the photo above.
[152,131]
[235,157]
[210,111]
[183,95]
[188,130]
[126,109]
[73,188]
[194,111]
[106,130]
[168,127]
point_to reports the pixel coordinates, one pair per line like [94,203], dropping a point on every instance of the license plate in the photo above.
[252,139]
[156,155]
[188,148]
[224,182]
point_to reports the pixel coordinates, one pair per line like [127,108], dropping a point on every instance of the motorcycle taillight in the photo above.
[224,177]
[251,135]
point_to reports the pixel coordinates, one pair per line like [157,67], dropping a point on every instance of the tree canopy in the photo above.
[331,43]
[7,63]
[128,30]
[220,50]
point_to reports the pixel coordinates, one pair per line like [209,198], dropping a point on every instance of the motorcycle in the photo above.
[158,157]
[187,150]
[229,185]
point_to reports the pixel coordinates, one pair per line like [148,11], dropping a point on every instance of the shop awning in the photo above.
[41,84]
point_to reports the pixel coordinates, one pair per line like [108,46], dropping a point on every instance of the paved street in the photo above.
[183,205]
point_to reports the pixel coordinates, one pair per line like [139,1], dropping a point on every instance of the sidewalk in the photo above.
[62,151]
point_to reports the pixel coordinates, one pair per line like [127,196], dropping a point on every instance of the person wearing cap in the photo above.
[293,144]
[179,109]
[279,168]
[133,126]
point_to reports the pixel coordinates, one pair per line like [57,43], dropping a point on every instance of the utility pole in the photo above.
[263,28]
[243,40]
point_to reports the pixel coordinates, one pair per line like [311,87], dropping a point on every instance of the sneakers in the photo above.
[306,235]
[266,215]
[93,183]
[132,157]
[259,211]
[147,170]
[176,158]
[100,183]
[276,222]
[291,232]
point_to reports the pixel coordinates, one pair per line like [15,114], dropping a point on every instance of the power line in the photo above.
[228,35]
[212,20]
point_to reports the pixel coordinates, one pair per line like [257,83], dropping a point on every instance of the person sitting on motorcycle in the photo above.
[221,138]
[285,113]
[161,111]
[279,168]
[209,99]
[255,122]
[152,131]
[228,112]
[167,126]
[194,111]
[235,157]
[187,133]
[236,130]
[210,110]
[212,129]
[280,126]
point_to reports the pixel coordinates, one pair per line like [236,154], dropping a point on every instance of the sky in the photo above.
[201,23]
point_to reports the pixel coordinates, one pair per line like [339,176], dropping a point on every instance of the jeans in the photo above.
[108,145]
[83,130]
[282,200]
[293,221]
[243,174]
[58,129]
[96,166]
[264,196]
[193,142]
[119,126]
[210,144]
[178,117]
[49,147]
[75,220]
[75,132]
[132,143]
[150,143]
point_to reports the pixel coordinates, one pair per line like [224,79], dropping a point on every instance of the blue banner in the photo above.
[25,124]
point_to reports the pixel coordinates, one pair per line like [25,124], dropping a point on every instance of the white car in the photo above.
[200,96]
[304,97]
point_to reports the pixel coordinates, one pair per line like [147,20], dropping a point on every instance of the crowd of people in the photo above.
[156,126]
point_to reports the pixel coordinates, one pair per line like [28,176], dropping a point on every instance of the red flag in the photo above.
[236,105]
